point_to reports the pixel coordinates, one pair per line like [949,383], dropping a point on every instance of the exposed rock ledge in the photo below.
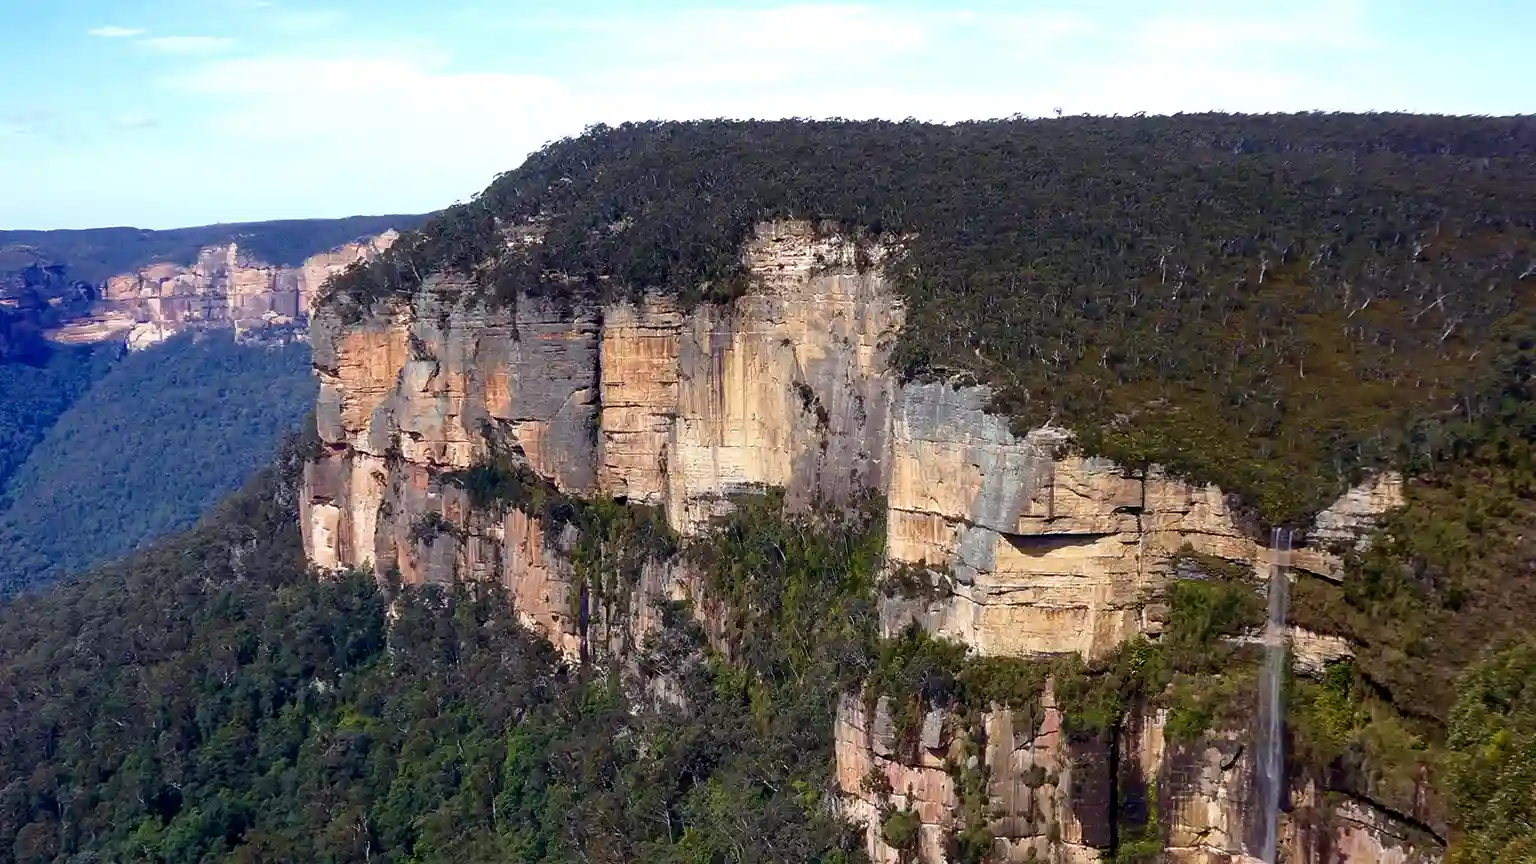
[1050,551]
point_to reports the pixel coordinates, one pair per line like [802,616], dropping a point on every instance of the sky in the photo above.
[163,113]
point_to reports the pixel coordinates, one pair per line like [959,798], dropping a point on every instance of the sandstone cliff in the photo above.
[1038,550]
[223,288]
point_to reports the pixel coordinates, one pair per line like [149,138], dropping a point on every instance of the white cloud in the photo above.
[1267,57]
[113,32]
[1035,32]
[1334,25]
[809,60]
[188,44]
[43,124]
[783,34]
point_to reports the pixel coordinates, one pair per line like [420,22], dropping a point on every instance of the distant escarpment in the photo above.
[1065,377]
[96,285]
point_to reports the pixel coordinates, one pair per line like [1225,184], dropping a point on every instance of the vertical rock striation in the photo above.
[641,400]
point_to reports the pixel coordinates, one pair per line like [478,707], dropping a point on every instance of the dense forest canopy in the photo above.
[33,397]
[93,254]
[1268,302]
[98,456]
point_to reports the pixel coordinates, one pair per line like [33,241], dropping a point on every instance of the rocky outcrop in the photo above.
[1033,548]
[1345,524]
[1048,551]
[35,297]
[1028,787]
[223,288]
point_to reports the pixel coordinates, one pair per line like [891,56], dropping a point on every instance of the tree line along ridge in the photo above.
[1271,303]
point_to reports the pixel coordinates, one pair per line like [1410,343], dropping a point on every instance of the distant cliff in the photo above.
[85,436]
[223,288]
[126,283]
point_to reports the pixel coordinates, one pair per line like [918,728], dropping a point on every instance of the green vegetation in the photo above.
[1325,716]
[155,441]
[32,398]
[428,527]
[797,595]
[1194,667]
[917,672]
[1493,758]
[1143,844]
[970,842]
[614,540]
[1269,303]
[899,830]
[915,582]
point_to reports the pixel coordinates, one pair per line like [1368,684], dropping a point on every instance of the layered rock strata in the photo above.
[1037,549]
[225,288]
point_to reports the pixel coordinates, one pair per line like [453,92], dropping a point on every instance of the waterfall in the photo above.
[1270,783]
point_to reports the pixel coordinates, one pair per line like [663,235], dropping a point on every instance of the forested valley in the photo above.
[101,450]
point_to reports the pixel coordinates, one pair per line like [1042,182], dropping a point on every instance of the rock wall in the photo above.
[224,287]
[1051,798]
[786,387]
[1039,549]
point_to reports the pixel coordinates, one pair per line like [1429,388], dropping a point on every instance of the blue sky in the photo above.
[161,113]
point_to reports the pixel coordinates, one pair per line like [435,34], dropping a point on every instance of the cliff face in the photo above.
[786,387]
[224,287]
[1038,550]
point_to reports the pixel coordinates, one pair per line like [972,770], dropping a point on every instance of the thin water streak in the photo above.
[1270,758]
